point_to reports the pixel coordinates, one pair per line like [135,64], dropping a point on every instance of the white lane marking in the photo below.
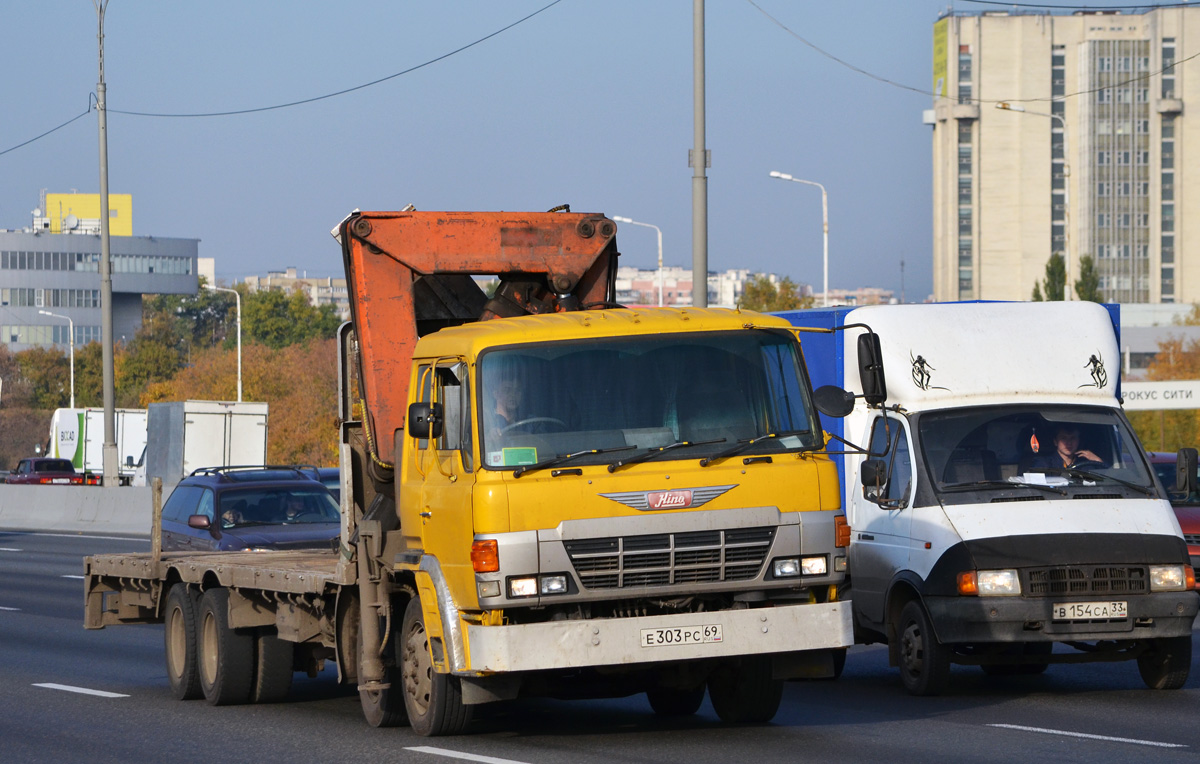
[461,755]
[81,690]
[8,549]
[9,608]
[79,577]
[1132,740]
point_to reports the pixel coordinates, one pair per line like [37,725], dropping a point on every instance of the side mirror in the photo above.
[1185,471]
[199,522]
[37,448]
[870,369]
[833,401]
[425,420]
[873,473]
[128,461]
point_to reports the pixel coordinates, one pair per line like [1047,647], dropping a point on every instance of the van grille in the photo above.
[663,559]
[1087,579]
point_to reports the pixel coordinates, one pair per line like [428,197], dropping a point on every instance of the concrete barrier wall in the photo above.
[76,509]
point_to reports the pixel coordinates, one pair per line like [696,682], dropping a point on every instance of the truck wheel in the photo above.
[226,655]
[180,641]
[381,708]
[273,658]
[924,662]
[744,691]
[1166,663]
[433,700]
[675,702]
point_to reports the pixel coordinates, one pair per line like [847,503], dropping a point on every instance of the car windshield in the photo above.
[1057,446]
[705,391]
[277,506]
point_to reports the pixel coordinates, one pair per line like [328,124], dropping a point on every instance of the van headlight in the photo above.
[1168,578]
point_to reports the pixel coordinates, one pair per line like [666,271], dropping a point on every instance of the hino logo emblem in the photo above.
[678,498]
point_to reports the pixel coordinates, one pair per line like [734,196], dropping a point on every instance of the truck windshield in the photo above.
[1063,447]
[710,389]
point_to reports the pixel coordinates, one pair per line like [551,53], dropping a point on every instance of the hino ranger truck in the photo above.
[1004,513]
[543,493]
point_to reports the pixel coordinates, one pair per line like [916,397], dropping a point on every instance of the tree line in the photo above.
[186,349]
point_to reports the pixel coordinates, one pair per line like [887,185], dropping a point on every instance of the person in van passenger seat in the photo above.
[1067,452]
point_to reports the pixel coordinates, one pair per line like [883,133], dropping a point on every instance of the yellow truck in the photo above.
[543,493]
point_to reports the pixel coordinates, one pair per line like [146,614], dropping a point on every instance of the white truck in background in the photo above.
[974,539]
[185,435]
[78,434]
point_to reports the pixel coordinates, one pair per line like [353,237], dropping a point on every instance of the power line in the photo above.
[43,135]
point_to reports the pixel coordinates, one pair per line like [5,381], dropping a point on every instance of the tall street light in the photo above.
[1066,187]
[238,297]
[824,220]
[71,324]
[660,267]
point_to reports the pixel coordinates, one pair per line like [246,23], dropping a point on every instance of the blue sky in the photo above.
[588,103]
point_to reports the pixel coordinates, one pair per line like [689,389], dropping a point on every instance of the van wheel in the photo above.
[273,658]
[674,701]
[433,700]
[744,691]
[385,707]
[924,662]
[180,642]
[226,654]
[1165,665]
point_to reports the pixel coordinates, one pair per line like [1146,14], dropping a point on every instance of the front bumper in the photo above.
[618,641]
[959,620]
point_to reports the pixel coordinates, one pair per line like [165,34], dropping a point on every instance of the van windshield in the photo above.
[698,393]
[1054,447]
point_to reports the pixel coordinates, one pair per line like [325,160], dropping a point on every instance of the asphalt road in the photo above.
[1086,713]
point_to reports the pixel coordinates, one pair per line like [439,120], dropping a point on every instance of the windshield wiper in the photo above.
[742,445]
[998,484]
[557,460]
[1086,475]
[650,453]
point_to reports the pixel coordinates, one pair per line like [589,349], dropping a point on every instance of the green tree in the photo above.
[201,320]
[277,319]
[1087,286]
[762,295]
[155,355]
[89,375]
[1054,286]
[48,374]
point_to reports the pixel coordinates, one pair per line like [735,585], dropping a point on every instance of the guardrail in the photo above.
[122,511]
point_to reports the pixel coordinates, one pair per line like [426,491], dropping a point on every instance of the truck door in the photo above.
[445,470]
[882,520]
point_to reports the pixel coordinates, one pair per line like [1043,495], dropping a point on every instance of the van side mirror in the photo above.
[873,476]
[425,420]
[128,461]
[1185,471]
[833,401]
[870,369]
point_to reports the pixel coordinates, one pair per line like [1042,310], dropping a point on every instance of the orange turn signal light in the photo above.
[841,531]
[485,556]
[1189,575]
[967,583]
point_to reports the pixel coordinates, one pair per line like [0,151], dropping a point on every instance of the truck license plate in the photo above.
[682,635]
[1086,611]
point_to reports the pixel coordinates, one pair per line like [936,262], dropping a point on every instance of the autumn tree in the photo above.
[1176,359]
[760,294]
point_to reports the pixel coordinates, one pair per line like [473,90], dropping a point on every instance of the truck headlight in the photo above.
[813,566]
[1168,578]
[788,567]
[522,587]
[553,584]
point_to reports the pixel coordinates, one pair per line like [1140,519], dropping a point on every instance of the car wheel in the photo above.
[180,643]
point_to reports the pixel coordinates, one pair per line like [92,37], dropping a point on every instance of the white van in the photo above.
[1003,505]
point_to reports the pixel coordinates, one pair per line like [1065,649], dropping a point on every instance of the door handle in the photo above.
[427,514]
[865,537]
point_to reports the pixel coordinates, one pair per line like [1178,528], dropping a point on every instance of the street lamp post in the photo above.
[824,221]
[238,303]
[620,219]
[71,325]
[1066,187]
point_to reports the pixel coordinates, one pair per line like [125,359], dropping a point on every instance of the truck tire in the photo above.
[180,642]
[672,701]
[924,662]
[273,659]
[226,655]
[433,701]
[381,708]
[1166,663]
[745,692]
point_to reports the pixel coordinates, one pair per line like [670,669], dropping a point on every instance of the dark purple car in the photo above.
[44,470]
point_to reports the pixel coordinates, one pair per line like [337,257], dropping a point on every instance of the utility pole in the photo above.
[109,452]
[901,282]
[699,163]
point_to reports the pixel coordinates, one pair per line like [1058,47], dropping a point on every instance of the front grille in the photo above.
[1087,579]
[1192,538]
[663,559]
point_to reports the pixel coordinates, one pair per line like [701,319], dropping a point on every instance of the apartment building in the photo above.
[1065,133]
[322,290]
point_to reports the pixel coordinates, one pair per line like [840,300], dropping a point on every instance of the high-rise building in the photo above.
[1066,134]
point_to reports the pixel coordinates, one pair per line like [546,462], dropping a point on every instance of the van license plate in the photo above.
[682,635]
[1087,611]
